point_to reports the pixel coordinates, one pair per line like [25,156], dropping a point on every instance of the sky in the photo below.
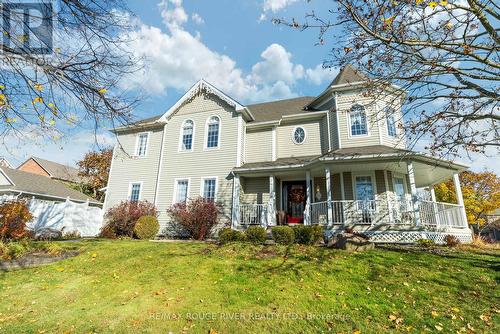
[232,44]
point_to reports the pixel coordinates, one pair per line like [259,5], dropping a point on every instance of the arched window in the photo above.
[357,117]
[391,122]
[187,135]
[213,128]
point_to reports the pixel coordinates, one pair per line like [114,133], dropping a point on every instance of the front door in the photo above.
[294,201]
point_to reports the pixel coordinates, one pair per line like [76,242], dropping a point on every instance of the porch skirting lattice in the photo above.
[405,237]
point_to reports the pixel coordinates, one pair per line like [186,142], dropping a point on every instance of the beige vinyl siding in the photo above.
[324,135]
[345,101]
[334,131]
[400,140]
[313,144]
[200,162]
[255,190]
[258,146]
[348,186]
[126,168]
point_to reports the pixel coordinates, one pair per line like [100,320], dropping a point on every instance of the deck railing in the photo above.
[441,215]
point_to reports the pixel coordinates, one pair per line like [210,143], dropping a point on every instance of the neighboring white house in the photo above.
[329,160]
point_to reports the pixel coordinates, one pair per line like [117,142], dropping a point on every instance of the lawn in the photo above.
[136,286]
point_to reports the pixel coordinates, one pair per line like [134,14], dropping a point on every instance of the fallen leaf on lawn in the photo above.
[434,314]
[439,328]
[212,331]
[392,317]
[406,284]
[60,269]
[94,255]
[356,331]
[455,309]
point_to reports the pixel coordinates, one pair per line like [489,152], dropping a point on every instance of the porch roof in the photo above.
[428,169]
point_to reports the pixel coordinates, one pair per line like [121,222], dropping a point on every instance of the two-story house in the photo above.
[338,159]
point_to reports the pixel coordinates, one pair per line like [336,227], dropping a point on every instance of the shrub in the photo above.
[147,227]
[451,241]
[197,217]
[283,235]
[71,235]
[122,218]
[308,235]
[14,215]
[425,243]
[13,250]
[256,234]
[227,235]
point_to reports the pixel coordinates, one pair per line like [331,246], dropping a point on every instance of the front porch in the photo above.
[384,199]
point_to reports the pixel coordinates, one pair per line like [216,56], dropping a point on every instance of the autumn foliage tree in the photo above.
[443,54]
[481,193]
[94,170]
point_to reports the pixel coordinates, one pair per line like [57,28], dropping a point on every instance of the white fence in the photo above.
[63,216]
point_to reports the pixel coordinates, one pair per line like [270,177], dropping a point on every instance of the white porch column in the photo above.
[460,199]
[413,189]
[433,194]
[307,212]
[329,196]
[235,214]
[271,213]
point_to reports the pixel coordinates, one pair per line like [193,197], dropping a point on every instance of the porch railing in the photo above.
[441,215]
[253,214]
[372,212]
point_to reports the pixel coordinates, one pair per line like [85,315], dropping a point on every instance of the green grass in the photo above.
[136,286]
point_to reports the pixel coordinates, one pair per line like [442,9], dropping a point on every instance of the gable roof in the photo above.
[43,186]
[57,170]
[275,110]
[5,163]
[204,86]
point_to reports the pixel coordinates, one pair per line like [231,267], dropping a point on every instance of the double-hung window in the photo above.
[213,128]
[187,136]
[182,187]
[209,189]
[142,144]
[391,122]
[357,117]
[135,192]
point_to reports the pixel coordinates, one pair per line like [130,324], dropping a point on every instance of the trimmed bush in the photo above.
[122,218]
[14,215]
[227,235]
[256,234]
[283,235]
[425,243]
[147,227]
[451,241]
[197,217]
[308,235]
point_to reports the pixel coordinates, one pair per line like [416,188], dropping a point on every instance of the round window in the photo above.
[299,135]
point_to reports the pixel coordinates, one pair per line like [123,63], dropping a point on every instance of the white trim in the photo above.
[337,119]
[405,183]
[205,135]
[293,134]
[181,136]
[379,128]
[176,180]
[371,174]
[137,136]
[160,165]
[329,134]
[130,184]
[12,183]
[200,86]
[349,129]
[105,204]
[202,185]
[239,149]
[306,115]
[274,154]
